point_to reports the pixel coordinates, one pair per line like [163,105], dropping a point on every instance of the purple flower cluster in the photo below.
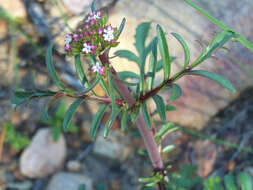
[92,37]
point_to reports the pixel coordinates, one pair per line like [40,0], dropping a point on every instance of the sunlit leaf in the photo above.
[168,148]
[229,182]
[175,92]
[152,65]
[217,78]
[185,47]
[164,52]
[128,74]
[245,181]
[128,55]
[140,37]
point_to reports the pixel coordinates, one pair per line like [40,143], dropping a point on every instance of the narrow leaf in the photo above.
[175,92]
[86,90]
[229,182]
[217,78]
[134,115]
[185,47]
[82,187]
[146,115]
[128,74]
[79,70]
[168,148]
[167,128]
[164,52]
[70,112]
[124,82]
[124,120]
[128,55]
[152,65]
[111,91]
[167,108]
[97,120]
[50,67]
[110,121]
[159,65]
[242,40]
[50,103]
[160,106]
[93,6]
[245,181]
[122,25]
[140,37]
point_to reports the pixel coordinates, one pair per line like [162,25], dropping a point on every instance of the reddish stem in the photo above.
[146,134]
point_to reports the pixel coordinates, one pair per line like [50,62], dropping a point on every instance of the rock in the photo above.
[115,146]
[67,181]
[80,6]
[14,8]
[43,156]
[73,166]
[201,98]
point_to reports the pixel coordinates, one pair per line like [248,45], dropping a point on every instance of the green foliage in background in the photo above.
[56,122]
[14,138]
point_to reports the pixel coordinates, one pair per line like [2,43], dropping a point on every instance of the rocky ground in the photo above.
[27,27]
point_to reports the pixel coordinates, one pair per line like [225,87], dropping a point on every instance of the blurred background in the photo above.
[214,125]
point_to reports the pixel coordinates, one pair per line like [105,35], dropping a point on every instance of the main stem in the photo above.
[146,134]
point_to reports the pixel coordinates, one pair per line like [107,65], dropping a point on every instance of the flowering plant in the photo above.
[93,39]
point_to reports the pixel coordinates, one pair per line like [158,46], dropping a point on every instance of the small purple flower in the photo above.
[98,69]
[100,31]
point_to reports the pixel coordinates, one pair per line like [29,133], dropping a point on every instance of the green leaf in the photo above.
[229,182]
[97,120]
[111,91]
[110,121]
[20,95]
[159,65]
[242,40]
[124,82]
[128,55]
[124,120]
[167,108]
[217,78]
[135,114]
[185,47]
[91,86]
[70,112]
[152,65]
[140,37]
[128,74]
[167,128]
[150,46]
[82,187]
[168,148]
[175,92]
[50,67]
[160,106]
[79,71]
[51,102]
[245,181]
[164,52]
[146,115]
[93,6]
[122,25]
